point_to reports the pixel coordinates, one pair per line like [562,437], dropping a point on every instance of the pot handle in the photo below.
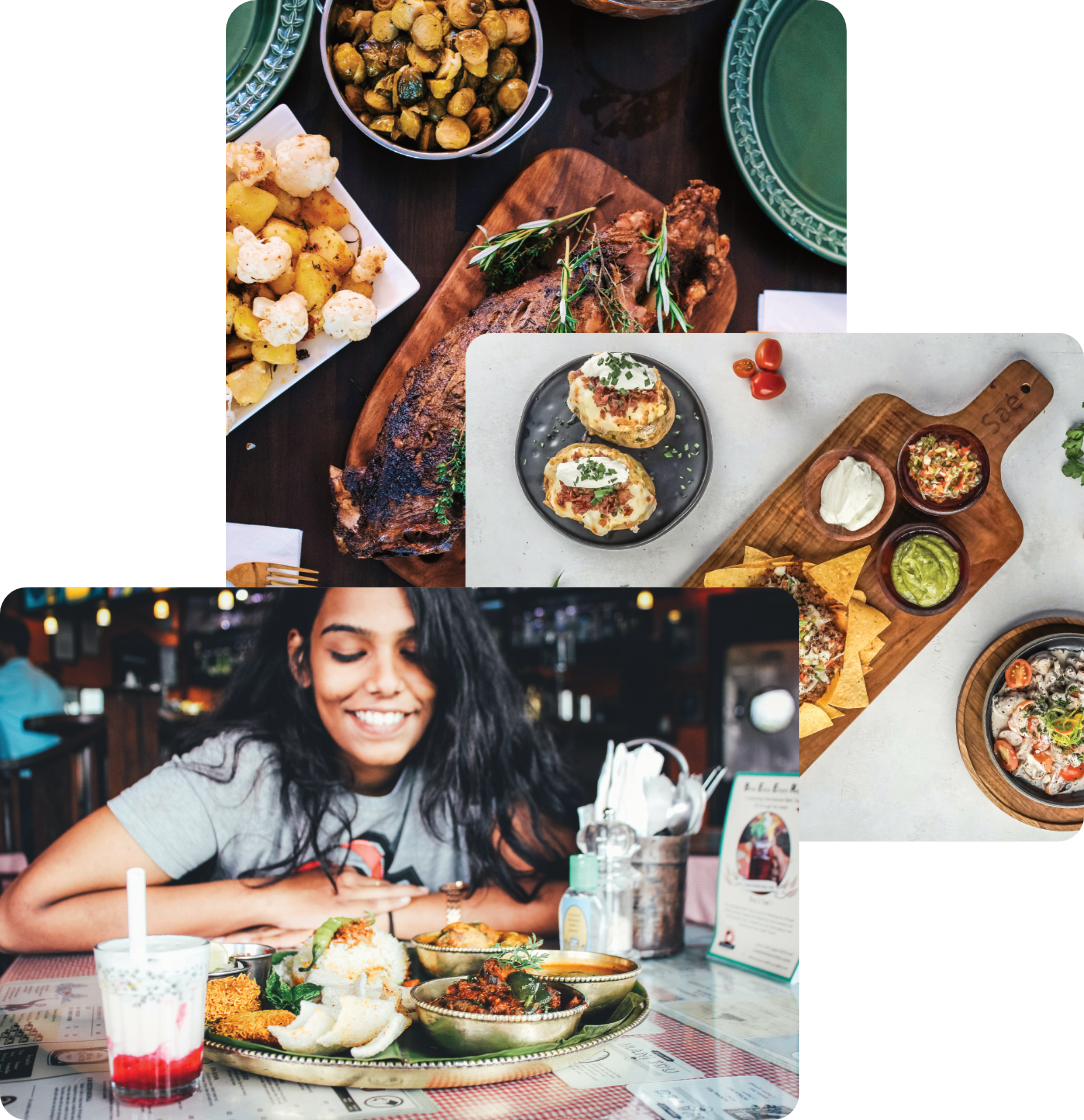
[519,131]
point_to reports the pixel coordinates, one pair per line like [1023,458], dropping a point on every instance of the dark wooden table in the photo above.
[643,96]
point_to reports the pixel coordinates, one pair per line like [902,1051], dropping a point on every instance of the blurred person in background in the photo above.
[372,746]
[25,691]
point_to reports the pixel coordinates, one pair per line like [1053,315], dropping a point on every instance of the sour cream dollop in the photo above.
[852,494]
[592,472]
[620,371]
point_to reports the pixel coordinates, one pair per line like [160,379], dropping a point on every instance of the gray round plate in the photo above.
[1068,640]
[679,465]
[264,41]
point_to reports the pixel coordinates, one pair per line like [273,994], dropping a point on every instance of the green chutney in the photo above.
[925,570]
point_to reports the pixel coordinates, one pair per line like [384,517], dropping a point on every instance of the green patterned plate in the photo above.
[264,40]
[784,89]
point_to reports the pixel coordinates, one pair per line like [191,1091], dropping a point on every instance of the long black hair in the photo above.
[483,764]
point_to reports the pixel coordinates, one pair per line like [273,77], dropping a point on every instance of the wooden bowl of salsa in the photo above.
[603,980]
[948,440]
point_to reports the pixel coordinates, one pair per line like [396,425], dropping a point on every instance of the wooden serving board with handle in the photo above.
[991,529]
[560,181]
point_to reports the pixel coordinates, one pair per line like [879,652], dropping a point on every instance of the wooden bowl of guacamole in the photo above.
[923,568]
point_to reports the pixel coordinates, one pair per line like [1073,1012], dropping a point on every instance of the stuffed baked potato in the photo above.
[622,400]
[602,488]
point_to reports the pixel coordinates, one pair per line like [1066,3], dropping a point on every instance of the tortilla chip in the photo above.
[752,555]
[838,576]
[834,713]
[811,719]
[870,652]
[850,690]
[864,623]
[859,595]
[738,576]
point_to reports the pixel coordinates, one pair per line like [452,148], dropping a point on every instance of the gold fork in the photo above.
[257,574]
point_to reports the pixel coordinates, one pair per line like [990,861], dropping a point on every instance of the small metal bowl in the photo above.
[467,1033]
[603,993]
[440,961]
[252,958]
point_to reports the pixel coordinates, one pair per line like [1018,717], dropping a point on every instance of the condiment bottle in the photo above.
[614,843]
[581,919]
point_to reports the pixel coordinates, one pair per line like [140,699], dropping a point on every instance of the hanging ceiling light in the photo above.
[645,600]
[241,595]
[103,617]
[51,626]
[225,600]
[161,609]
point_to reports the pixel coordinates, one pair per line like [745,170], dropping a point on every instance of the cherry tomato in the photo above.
[1018,674]
[1007,753]
[769,354]
[745,367]
[766,383]
[1072,773]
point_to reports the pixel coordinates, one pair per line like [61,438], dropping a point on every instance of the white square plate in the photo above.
[392,288]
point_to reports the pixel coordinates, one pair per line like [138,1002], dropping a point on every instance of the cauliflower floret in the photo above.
[304,164]
[349,315]
[259,261]
[229,409]
[249,162]
[370,262]
[284,321]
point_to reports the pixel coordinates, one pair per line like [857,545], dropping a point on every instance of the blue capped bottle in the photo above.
[581,917]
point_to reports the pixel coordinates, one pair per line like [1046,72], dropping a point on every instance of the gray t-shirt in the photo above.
[182,819]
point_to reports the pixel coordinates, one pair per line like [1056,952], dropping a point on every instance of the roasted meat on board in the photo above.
[387,507]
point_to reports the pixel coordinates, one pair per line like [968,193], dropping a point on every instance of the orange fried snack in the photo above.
[230,995]
[251,1026]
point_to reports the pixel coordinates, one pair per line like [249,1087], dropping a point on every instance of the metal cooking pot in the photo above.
[509,131]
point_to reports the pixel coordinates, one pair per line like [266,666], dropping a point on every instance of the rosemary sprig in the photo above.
[452,475]
[522,956]
[505,258]
[658,277]
[562,321]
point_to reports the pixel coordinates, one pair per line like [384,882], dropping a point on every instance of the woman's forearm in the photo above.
[490,905]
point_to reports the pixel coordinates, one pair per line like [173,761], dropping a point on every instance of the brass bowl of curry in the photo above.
[441,960]
[603,980]
[472,1033]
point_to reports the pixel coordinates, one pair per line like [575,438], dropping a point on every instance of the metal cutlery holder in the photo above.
[658,913]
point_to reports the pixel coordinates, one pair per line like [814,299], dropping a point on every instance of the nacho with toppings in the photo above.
[837,629]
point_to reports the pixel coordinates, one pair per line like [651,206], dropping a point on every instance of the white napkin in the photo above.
[802,312]
[272,545]
[624,793]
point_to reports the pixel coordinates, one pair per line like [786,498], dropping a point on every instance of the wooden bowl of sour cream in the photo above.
[819,470]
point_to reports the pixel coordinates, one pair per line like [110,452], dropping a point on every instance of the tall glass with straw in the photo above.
[154,990]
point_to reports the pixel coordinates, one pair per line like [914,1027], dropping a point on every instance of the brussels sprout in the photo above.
[461,102]
[346,61]
[501,67]
[438,110]
[452,133]
[473,46]
[517,21]
[494,29]
[384,29]
[375,55]
[426,61]
[426,140]
[383,124]
[409,85]
[410,123]
[397,54]
[378,101]
[405,12]
[464,13]
[440,87]
[426,32]
[450,64]
[480,121]
[512,94]
[383,5]
[354,97]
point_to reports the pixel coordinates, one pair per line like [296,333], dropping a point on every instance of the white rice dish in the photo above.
[1027,744]
[355,951]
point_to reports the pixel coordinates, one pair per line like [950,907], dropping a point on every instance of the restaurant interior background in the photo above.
[708,671]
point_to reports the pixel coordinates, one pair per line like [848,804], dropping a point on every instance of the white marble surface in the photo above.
[896,774]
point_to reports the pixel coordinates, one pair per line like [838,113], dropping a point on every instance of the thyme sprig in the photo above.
[522,956]
[562,321]
[658,277]
[505,258]
[452,475]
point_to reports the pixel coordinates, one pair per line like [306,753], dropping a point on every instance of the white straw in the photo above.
[137,911]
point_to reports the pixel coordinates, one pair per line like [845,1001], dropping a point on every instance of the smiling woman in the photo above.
[372,746]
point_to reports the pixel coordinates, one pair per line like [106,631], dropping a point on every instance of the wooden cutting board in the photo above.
[970,732]
[560,181]
[991,530]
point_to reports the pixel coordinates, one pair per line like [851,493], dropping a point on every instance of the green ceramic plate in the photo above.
[264,40]
[784,88]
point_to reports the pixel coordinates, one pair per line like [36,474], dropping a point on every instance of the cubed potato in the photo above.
[276,355]
[245,324]
[330,245]
[249,383]
[294,236]
[284,283]
[286,205]
[362,287]
[232,249]
[322,209]
[315,280]
[248,206]
[232,304]
[237,348]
